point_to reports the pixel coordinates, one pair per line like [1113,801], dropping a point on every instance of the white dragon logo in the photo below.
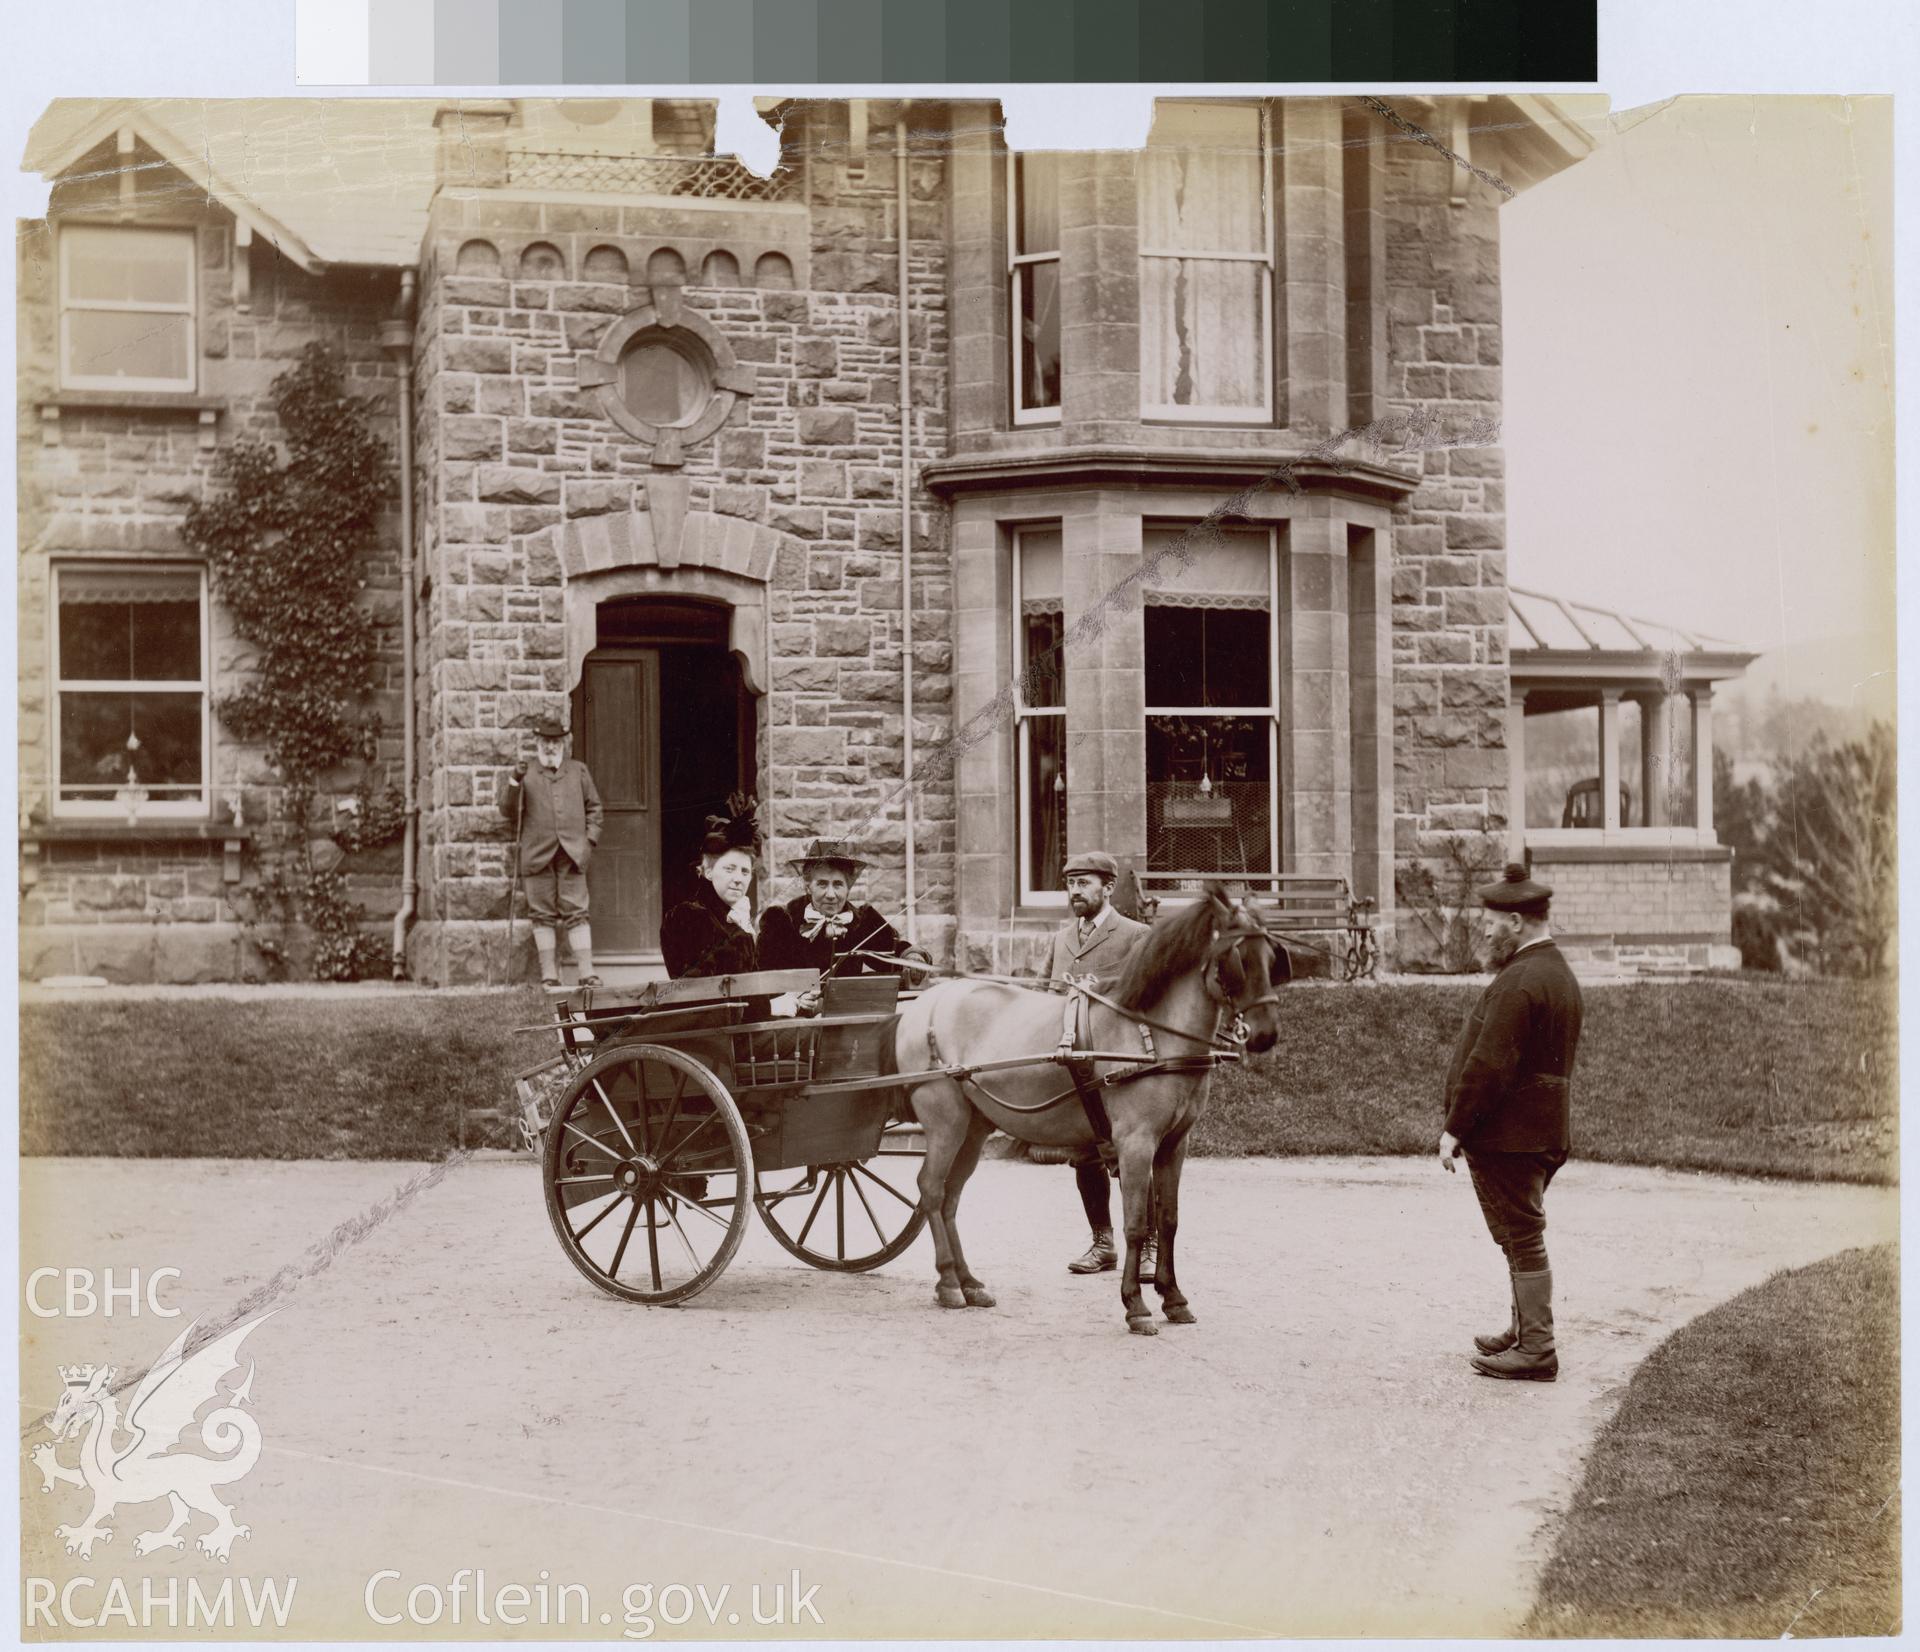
[149,1467]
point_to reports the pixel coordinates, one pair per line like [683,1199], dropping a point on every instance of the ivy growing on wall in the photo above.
[286,536]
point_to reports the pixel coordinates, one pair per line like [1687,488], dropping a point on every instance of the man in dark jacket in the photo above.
[1507,1111]
[1094,946]
[556,813]
[825,927]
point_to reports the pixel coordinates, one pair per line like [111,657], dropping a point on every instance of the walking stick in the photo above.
[513,897]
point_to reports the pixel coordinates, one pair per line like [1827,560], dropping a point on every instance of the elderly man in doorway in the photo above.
[1508,1113]
[556,817]
[1093,947]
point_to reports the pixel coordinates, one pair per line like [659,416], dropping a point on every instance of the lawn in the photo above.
[1767,1078]
[1748,1483]
[1746,1077]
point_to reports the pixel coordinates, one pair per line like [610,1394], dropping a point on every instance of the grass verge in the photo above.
[1748,1485]
[1737,1076]
[282,1078]
[1734,1076]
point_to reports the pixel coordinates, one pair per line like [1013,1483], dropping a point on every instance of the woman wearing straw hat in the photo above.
[824,929]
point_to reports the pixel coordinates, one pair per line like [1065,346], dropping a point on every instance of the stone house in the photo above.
[889,489]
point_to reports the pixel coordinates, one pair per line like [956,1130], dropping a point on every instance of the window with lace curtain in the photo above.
[1040,714]
[1212,697]
[130,712]
[1033,285]
[1207,264]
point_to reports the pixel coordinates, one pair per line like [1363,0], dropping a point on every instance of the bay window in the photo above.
[1040,713]
[1207,264]
[1033,285]
[126,308]
[130,691]
[1211,705]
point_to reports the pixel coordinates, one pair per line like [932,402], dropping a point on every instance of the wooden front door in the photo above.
[621,747]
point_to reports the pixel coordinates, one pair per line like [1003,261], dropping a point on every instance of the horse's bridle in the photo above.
[1230,938]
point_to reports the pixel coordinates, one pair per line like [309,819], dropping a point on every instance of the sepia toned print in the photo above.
[869,591]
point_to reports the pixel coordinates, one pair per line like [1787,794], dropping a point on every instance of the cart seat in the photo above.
[854,1052]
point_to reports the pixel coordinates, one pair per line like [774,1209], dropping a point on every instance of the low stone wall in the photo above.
[1627,905]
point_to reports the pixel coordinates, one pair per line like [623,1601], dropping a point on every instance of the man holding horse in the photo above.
[1093,947]
[970,1050]
[1507,1112]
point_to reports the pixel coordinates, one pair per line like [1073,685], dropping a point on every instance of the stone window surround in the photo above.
[100,384]
[1329,828]
[61,811]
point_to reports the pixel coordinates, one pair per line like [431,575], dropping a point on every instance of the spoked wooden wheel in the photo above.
[845,1217]
[649,1174]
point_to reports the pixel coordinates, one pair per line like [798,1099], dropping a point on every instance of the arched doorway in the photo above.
[665,721]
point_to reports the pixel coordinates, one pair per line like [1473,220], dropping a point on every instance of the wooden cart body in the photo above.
[698,1070]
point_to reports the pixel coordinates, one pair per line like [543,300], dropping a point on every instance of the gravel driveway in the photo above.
[1314,1457]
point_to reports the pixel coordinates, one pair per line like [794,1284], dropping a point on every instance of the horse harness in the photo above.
[1087,1084]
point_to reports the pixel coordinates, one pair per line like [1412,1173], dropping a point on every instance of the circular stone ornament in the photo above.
[666,376]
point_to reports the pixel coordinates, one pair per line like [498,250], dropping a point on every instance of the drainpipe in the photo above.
[906,513]
[396,337]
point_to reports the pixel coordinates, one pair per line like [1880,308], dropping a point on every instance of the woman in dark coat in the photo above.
[712,934]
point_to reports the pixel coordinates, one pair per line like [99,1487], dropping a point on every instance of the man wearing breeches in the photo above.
[556,811]
[1093,946]
[1508,1112]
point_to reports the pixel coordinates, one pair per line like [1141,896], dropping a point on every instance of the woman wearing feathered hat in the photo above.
[712,934]
[824,929]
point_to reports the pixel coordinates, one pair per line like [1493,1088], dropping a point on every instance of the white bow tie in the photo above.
[837,925]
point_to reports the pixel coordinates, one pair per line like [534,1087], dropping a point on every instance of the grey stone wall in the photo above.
[1450,537]
[529,487]
[110,474]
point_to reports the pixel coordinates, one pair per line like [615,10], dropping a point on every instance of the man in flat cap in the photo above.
[1507,1112]
[1093,946]
[556,815]
[825,928]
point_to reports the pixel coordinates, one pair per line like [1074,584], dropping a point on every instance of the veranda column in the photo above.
[1610,759]
[1517,776]
[1656,759]
[1702,701]
[1315,748]
[1106,680]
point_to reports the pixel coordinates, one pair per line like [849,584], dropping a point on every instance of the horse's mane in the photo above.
[1176,943]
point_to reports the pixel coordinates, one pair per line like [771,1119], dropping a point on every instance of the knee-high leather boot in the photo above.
[1533,1358]
[1498,1342]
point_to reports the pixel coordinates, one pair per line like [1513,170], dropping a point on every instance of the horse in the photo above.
[1199,965]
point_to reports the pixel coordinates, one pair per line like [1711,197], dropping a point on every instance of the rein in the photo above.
[1032,984]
